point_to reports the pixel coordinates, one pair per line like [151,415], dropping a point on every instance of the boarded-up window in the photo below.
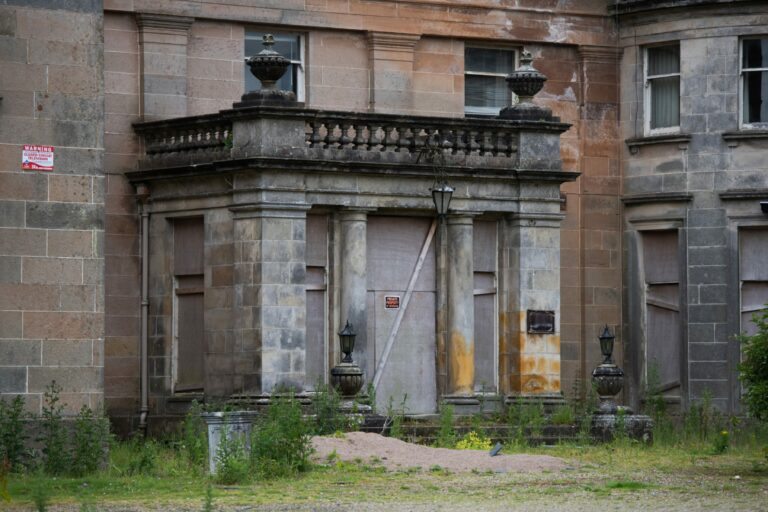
[317,262]
[662,308]
[484,257]
[753,274]
[189,310]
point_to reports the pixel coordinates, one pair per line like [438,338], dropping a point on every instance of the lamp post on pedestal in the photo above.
[608,380]
[347,377]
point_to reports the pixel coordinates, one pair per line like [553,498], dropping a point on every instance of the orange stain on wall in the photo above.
[462,364]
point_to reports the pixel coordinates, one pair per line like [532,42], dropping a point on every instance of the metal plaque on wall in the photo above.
[541,321]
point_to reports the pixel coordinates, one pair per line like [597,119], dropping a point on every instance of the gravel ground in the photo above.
[394,454]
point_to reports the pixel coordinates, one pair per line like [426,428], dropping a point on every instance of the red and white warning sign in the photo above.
[37,158]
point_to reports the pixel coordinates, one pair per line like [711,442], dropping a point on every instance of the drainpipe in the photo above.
[142,192]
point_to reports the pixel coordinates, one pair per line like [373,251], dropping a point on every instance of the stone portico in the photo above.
[309,218]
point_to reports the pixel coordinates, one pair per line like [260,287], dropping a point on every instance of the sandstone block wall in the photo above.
[52,223]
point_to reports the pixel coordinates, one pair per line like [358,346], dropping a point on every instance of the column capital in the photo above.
[393,41]
[465,218]
[593,53]
[164,22]
[355,214]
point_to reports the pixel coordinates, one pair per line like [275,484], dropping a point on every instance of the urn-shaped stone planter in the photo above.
[609,380]
[268,67]
[347,378]
[229,425]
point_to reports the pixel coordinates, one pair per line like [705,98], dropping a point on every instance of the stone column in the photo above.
[461,307]
[391,57]
[354,286]
[270,301]
[163,64]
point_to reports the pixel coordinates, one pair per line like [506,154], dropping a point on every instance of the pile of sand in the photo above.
[395,454]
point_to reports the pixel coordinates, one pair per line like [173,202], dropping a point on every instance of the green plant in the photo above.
[721,442]
[208,500]
[326,407]
[446,435]
[194,442]
[231,459]
[474,441]
[396,417]
[143,457]
[563,415]
[53,433]
[280,441]
[654,404]
[525,417]
[90,441]
[12,436]
[5,470]
[753,370]
[41,494]
[370,390]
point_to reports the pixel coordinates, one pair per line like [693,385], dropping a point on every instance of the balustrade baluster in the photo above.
[460,145]
[386,142]
[360,143]
[345,139]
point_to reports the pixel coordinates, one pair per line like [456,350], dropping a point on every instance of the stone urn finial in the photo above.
[526,81]
[269,67]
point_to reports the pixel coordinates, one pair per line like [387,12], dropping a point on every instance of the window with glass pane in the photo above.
[754,76]
[485,88]
[663,87]
[287,45]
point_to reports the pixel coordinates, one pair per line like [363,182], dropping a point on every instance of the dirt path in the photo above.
[395,454]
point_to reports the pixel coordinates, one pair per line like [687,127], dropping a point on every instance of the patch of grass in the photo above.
[626,485]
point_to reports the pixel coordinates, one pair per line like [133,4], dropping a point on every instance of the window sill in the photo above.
[734,138]
[635,144]
[662,197]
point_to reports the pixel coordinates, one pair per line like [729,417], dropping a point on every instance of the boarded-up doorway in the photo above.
[394,245]
[663,339]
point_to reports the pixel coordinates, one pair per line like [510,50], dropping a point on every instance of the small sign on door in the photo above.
[391,302]
[37,158]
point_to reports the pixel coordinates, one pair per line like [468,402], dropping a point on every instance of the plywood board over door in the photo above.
[394,246]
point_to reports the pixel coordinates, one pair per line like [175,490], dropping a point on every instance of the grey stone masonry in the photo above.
[694,176]
[270,298]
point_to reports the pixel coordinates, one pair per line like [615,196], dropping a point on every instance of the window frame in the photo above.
[648,85]
[300,64]
[742,114]
[488,111]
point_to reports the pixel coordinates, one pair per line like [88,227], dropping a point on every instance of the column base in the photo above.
[548,400]
[464,405]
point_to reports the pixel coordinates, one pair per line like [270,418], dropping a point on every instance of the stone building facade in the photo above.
[694,231]
[99,68]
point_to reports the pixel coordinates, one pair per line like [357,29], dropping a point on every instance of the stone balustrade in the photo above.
[336,136]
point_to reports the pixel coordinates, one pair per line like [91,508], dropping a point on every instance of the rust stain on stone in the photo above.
[462,364]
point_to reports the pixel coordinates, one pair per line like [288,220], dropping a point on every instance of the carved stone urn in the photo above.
[526,81]
[269,67]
